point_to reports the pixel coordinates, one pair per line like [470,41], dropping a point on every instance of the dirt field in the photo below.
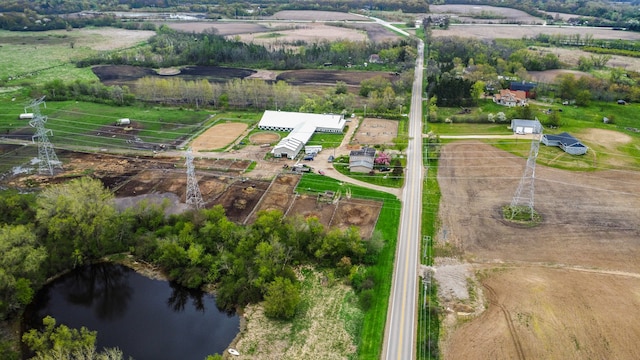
[108,38]
[571,57]
[464,13]
[264,138]
[490,32]
[376,131]
[218,136]
[308,32]
[549,76]
[127,75]
[566,288]
[330,77]
[306,15]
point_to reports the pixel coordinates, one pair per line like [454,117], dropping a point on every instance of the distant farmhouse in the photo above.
[566,142]
[521,127]
[301,127]
[510,98]
[362,160]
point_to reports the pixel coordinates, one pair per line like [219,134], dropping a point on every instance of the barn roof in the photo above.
[566,139]
[287,119]
[365,151]
[522,85]
[526,123]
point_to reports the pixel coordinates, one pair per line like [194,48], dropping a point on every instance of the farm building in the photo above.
[26,116]
[566,142]
[362,160]
[510,98]
[527,87]
[312,149]
[301,127]
[521,127]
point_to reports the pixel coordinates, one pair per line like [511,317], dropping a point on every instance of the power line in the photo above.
[47,158]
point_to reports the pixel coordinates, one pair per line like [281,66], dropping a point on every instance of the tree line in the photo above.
[174,48]
[77,223]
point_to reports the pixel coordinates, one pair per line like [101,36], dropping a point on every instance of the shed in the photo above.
[566,142]
[362,160]
[312,149]
[521,126]
[123,121]
[26,116]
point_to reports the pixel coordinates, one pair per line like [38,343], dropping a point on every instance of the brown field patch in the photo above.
[466,13]
[308,15]
[264,138]
[357,212]
[286,35]
[495,31]
[549,76]
[330,77]
[571,57]
[374,131]
[589,222]
[552,313]
[218,136]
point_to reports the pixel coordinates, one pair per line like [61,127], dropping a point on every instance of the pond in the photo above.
[145,318]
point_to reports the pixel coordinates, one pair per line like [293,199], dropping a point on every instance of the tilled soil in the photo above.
[565,288]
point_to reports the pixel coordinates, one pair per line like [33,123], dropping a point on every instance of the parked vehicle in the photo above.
[330,159]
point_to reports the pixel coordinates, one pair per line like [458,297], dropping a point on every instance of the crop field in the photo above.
[496,31]
[565,288]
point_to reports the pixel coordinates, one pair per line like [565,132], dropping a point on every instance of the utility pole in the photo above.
[194,196]
[47,158]
[523,198]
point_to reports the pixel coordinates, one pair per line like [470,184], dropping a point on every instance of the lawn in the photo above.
[372,328]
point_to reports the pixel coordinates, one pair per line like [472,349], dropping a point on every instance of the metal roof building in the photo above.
[301,125]
[566,142]
[520,126]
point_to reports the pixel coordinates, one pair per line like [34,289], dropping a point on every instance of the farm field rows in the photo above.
[565,288]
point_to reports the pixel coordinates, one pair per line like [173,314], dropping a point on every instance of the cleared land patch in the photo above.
[589,224]
[374,131]
[218,136]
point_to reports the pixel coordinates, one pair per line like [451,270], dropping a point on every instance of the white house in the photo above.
[301,127]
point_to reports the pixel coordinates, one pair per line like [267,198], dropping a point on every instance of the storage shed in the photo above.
[566,142]
[26,116]
[521,127]
[362,160]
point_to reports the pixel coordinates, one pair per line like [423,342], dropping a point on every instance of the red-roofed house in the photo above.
[510,98]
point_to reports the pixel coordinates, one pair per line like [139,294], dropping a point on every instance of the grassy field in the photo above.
[38,57]
[582,122]
[373,324]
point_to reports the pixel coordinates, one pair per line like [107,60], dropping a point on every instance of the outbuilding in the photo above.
[566,142]
[522,127]
[26,116]
[301,127]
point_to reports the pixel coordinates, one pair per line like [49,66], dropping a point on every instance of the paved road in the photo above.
[400,341]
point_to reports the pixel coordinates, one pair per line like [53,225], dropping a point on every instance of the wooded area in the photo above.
[77,223]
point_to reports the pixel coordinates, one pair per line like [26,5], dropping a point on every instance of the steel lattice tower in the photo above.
[523,198]
[194,196]
[47,158]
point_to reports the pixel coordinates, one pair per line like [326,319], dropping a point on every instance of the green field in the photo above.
[372,328]
[578,121]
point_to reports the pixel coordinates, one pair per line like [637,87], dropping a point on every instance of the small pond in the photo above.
[145,318]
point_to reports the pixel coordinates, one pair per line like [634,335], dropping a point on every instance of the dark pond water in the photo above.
[145,318]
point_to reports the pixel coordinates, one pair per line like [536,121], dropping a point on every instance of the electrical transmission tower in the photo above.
[47,158]
[523,198]
[194,196]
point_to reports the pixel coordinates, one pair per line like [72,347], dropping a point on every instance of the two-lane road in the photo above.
[400,340]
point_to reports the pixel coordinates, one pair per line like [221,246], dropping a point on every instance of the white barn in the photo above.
[301,127]
[520,126]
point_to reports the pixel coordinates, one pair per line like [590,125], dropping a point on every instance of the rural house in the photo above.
[510,98]
[301,127]
[566,142]
[362,160]
[521,127]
